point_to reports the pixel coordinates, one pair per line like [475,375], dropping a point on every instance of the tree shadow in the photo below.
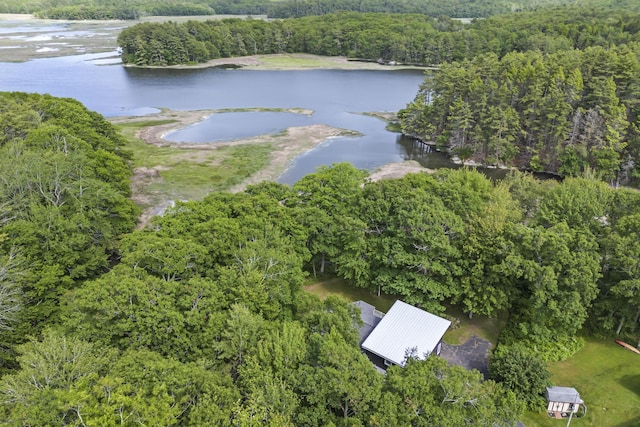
[632,383]
[631,423]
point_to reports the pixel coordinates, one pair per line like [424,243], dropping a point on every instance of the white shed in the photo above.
[562,401]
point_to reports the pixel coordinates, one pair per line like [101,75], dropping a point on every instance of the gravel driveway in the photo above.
[473,354]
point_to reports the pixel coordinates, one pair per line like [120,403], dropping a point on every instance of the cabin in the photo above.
[562,401]
[404,330]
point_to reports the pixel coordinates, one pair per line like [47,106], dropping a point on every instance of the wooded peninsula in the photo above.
[202,318]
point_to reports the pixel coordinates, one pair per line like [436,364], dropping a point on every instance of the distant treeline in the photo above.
[435,8]
[414,39]
[105,9]
[132,9]
[404,38]
[300,8]
[124,12]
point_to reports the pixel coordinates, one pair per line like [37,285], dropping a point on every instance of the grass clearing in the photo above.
[607,377]
[338,286]
[297,61]
[481,326]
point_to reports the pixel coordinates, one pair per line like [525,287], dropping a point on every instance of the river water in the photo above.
[337,98]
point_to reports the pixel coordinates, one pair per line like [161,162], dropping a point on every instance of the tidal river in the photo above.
[337,97]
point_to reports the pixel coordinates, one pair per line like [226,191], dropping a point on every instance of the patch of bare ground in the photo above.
[398,170]
[142,178]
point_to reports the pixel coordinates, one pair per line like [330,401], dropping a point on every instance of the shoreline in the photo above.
[290,61]
[287,145]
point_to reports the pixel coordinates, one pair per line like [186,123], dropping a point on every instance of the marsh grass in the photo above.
[192,173]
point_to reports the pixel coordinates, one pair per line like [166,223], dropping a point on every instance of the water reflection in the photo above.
[431,158]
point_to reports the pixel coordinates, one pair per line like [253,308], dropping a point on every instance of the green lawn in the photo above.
[481,326]
[607,377]
[337,286]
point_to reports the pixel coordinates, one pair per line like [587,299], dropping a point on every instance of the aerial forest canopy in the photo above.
[210,298]
[202,319]
[64,202]
[134,9]
[563,113]
[557,93]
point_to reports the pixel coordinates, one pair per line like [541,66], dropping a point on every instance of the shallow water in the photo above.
[236,125]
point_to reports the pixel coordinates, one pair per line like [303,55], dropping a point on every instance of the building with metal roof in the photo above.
[562,401]
[405,329]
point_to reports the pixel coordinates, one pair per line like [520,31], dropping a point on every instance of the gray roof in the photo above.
[563,394]
[405,327]
[370,318]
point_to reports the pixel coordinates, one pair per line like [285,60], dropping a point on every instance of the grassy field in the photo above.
[481,326]
[296,61]
[607,377]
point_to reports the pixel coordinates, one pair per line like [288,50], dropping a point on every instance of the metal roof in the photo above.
[405,327]
[563,394]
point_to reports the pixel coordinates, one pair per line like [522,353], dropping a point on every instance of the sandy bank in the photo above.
[398,170]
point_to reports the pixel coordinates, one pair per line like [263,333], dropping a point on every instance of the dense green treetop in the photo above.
[133,9]
[565,112]
[404,38]
[524,374]
[201,318]
[64,198]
